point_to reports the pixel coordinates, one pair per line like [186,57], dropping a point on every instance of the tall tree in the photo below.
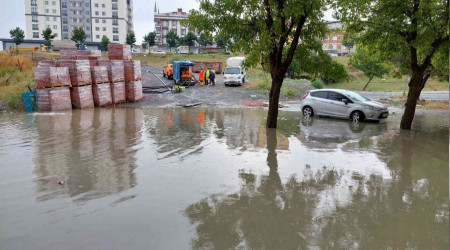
[267,31]
[150,39]
[189,40]
[144,45]
[369,63]
[131,39]
[172,39]
[17,35]
[204,40]
[105,41]
[48,37]
[416,28]
[78,36]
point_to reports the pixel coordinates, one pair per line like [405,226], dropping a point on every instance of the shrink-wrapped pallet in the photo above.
[53,99]
[42,77]
[119,52]
[118,92]
[102,94]
[59,76]
[68,54]
[82,97]
[99,74]
[133,91]
[79,70]
[116,70]
[132,71]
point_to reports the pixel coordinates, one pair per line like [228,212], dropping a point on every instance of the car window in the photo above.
[336,96]
[320,94]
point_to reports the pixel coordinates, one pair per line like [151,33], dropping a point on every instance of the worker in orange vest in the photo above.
[201,77]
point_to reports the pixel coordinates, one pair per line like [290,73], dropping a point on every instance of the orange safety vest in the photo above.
[201,76]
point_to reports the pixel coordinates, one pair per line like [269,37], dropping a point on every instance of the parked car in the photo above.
[159,52]
[342,104]
[168,71]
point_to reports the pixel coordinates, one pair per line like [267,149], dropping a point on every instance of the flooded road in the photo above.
[217,179]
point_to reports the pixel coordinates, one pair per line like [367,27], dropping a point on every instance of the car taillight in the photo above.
[306,95]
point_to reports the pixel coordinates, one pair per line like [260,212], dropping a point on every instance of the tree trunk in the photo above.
[274,97]
[413,95]
[367,84]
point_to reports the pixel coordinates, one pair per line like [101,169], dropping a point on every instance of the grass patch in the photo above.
[287,92]
[317,83]
[16,72]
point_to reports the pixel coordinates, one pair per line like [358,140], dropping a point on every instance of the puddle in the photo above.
[202,178]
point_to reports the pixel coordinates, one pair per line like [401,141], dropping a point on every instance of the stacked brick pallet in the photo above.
[81,79]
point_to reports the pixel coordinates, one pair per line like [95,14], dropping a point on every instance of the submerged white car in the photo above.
[342,104]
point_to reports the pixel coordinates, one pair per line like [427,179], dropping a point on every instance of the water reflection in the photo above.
[369,211]
[91,150]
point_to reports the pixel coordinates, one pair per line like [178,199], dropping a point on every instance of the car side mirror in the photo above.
[345,101]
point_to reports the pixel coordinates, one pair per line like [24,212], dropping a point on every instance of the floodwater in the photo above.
[217,179]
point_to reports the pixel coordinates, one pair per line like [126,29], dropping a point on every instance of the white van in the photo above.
[234,73]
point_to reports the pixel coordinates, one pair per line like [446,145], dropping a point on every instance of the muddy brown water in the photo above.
[217,179]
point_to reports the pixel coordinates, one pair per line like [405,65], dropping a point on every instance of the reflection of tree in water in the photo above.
[179,131]
[379,214]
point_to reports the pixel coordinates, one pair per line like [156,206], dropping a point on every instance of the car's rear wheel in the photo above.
[308,111]
[357,116]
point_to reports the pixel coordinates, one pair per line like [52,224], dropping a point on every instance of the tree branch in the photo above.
[293,47]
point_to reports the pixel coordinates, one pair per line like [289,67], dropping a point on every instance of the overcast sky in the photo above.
[12,14]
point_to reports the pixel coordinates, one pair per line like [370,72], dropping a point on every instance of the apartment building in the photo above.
[113,18]
[164,22]
[333,41]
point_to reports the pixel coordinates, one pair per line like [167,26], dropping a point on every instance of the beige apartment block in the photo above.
[165,22]
[98,18]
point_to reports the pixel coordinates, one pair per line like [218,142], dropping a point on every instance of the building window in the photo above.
[64,12]
[325,46]
[103,13]
[97,36]
[65,28]
[54,11]
[46,2]
[103,21]
[115,22]
[47,18]
[55,27]
[87,12]
[55,19]
[35,34]
[114,6]
[115,30]
[48,26]
[115,14]
[88,35]
[34,11]
[104,28]
[115,38]
[87,4]
[56,34]
[97,28]
[96,13]
[64,20]
[54,3]
[88,28]
[334,46]
[103,5]
[87,20]
[334,38]
[47,11]
[34,18]
[66,37]
[35,27]
[33,3]
[97,20]
[96,5]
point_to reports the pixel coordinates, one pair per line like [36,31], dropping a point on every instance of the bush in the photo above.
[205,52]
[336,72]
[171,53]
[264,85]
[317,83]
[190,53]
[287,92]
